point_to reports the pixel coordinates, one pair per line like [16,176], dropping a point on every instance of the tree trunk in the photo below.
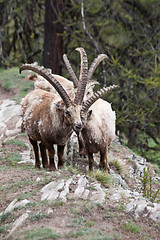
[53,39]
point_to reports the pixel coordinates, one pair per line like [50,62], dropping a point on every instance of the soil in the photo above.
[75,219]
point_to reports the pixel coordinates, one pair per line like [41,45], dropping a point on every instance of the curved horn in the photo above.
[83,77]
[49,77]
[70,70]
[95,63]
[97,95]
[92,83]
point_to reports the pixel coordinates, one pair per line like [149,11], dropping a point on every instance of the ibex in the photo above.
[49,119]
[98,131]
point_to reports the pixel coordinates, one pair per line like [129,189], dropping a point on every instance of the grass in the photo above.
[117,165]
[4,228]
[79,221]
[80,232]
[102,177]
[40,234]
[4,216]
[10,79]
[131,227]
[11,156]
[15,142]
[56,203]
[25,195]
[37,216]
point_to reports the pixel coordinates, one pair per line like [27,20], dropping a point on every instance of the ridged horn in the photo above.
[92,83]
[96,96]
[83,76]
[49,77]
[71,71]
[95,63]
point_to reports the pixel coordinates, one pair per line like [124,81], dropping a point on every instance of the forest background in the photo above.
[128,31]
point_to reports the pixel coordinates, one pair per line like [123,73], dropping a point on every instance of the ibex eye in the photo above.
[67,113]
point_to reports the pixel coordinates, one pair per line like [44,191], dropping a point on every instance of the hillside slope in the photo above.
[70,203]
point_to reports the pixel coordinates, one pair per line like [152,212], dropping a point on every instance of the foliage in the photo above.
[147,186]
[131,227]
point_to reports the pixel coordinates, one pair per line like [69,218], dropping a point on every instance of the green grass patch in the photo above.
[25,195]
[55,203]
[10,79]
[37,216]
[131,227]
[79,221]
[12,157]
[117,165]
[40,234]
[15,142]
[4,216]
[102,177]
[4,228]
[81,232]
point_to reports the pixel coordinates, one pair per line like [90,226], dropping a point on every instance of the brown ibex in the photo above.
[49,119]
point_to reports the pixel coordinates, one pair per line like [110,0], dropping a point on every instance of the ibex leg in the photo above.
[43,155]
[90,160]
[36,153]
[103,161]
[82,149]
[60,150]
[51,153]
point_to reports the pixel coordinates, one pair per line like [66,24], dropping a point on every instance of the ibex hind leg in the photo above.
[104,162]
[36,152]
[51,153]
[60,150]
[43,155]
[90,160]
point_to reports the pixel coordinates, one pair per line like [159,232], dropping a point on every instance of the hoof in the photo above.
[37,166]
[82,155]
[52,169]
[45,166]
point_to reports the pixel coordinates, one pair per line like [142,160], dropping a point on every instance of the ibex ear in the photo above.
[89,114]
[59,106]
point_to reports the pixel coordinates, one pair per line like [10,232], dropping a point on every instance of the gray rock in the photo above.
[52,190]
[15,204]
[82,181]
[118,181]
[63,194]
[19,221]
[99,195]
[144,208]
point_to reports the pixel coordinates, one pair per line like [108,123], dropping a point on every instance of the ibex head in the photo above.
[85,112]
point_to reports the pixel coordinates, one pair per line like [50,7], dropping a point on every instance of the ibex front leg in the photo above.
[51,153]
[43,155]
[36,152]
[90,160]
[60,150]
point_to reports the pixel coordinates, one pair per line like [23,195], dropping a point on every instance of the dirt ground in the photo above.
[75,219]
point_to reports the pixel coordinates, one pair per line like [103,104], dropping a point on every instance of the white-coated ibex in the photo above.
[51,120]
[98,131]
